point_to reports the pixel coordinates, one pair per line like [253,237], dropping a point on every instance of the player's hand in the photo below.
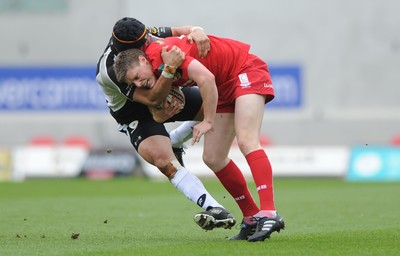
[173,57]
[199,130]
[165,111]
[201,39]
[173,108]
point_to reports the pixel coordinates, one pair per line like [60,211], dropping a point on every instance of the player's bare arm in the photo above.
[156,96]
[168,110]
[205,80]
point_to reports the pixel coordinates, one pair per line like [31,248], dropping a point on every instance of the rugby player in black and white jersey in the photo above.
[129,105]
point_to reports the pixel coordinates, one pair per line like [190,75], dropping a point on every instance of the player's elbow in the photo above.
[206,79]
[155,102]
[159,119]
[209,79]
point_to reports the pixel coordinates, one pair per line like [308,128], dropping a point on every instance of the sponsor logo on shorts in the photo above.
[244,80]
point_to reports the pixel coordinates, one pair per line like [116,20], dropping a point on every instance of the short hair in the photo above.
[126,60]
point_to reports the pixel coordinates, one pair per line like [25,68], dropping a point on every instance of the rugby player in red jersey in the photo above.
[235,85]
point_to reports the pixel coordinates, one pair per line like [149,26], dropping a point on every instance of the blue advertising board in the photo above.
[287,86]
[374,164]
[75,88]
[46,88]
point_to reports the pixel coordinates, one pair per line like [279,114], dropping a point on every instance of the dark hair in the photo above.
[128,33]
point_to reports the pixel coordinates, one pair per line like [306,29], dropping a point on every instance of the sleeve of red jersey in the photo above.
[153,53]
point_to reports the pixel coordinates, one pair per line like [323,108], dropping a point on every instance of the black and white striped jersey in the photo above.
[117,94]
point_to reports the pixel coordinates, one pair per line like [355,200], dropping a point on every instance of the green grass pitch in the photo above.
[134,216]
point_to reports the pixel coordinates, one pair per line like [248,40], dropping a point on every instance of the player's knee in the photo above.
[248,145]
[212,161]
[170,169]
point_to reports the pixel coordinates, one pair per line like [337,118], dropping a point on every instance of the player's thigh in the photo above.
[151,140]
[156,150]
[249,113]
[218,142]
